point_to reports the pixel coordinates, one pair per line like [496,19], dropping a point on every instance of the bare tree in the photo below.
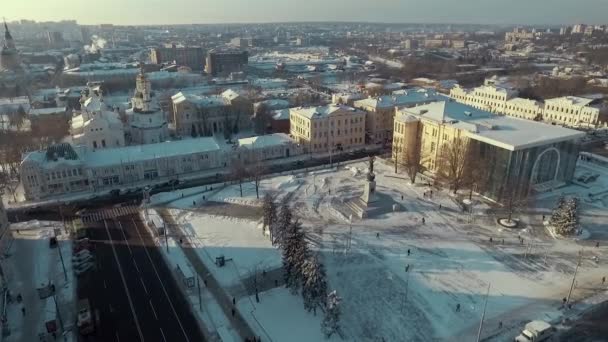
[262,119]
[514,199]
[454,163]
[257,171]
[8,184]
[238,173]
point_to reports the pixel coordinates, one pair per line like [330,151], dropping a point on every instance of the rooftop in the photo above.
[47,111]
[502,131]
[571,100]
[117,156]
[403,98]
[263,141]
[317,112]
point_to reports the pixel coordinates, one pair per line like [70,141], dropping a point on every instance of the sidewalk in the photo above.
[32,263]
[213,286]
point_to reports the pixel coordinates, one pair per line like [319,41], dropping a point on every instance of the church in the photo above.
[9,56]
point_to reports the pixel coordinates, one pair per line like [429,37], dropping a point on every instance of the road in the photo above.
[133,291]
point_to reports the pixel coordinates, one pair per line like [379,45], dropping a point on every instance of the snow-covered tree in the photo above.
[269,214]
[314,286]
[295,253]
[283,223]
[331,322]
[564,218]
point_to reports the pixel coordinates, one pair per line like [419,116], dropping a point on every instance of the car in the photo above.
[173,182]
[80,269]
[82,259]
[115,192]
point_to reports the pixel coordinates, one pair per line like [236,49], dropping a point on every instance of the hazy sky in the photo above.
[218,11]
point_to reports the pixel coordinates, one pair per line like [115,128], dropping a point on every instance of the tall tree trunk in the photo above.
[241,187]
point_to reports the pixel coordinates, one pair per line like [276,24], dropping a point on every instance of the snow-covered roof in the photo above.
[273,104]
[404,98]
[570,100]
[317,112]
[502,131]
[264,141]
[116,156]
[47,111]
[523,102]
[206,101]
[281,114]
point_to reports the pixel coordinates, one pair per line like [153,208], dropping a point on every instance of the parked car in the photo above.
[82,258]
[80,269]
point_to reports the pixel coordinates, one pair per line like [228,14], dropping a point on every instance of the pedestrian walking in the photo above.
[377,235]
[503,241]
[276,283]
[205,282]
[407,268]
[233,301]
[193,203]
[431,193]
[408,252]
[597,244]
[423,221]
[543,218]
[603,280]
[23,310]
[402,197]
[500,325]
[181,241]
[440,207]
[490,239]
[233,312]
[458,307]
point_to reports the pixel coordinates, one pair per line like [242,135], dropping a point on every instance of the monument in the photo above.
[369,190]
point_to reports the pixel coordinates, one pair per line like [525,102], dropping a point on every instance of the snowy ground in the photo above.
[452,261]
[28,264]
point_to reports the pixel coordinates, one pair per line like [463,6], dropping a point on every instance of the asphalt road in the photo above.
[133,291]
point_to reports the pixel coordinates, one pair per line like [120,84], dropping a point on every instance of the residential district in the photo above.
[303,182]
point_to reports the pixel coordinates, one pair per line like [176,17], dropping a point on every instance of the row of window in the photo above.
[63,174]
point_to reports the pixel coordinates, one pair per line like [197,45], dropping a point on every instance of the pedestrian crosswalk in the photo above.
[108,213]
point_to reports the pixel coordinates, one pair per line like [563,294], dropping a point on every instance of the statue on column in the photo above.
[370,174]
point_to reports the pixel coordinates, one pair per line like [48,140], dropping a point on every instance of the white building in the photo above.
[571,111]
[267,147]
[66,169]
[487,97]
[96,126]
[523,108]
[147,122]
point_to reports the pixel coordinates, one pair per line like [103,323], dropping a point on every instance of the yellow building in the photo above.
[335,127]
[571,111]
[514,152]
[381,111]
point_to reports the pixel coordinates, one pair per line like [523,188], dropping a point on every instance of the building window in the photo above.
[94,144]
[103,143]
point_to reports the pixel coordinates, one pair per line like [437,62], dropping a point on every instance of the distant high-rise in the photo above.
[226,62]
[9,56]
[55,38]
[192,57]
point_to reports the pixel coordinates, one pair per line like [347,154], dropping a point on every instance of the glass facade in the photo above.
[517,172]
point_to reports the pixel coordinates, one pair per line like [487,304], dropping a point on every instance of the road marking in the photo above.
[117,338]
[144,285]
[111,308]
[137,268]
[153,311]
[124,282]
[161,282]
[105,286]
[163,334]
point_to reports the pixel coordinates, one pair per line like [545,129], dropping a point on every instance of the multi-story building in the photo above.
[147,122]
[225,114]
[486,97]
[192,57]
[327,128]
[568,111]
[517,155]
[222,63]
[49,121]
[381,111]
[67,169]
[571,111]
[518,35]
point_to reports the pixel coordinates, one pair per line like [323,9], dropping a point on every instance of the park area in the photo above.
[418,269]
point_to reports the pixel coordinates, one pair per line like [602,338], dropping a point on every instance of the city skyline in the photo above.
[542,12]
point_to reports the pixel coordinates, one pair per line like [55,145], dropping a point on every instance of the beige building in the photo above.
[516,153]
[486,97]
[225,114]
[571,111]
[327,128]
[523,108]
[381,111]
